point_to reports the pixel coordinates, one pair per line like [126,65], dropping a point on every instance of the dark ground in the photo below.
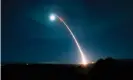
[108,69]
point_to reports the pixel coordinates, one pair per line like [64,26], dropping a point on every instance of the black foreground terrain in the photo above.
[108,69]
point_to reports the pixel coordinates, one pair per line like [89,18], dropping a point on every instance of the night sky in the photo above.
[104,28]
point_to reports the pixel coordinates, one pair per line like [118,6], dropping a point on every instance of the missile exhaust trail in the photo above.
[84,61]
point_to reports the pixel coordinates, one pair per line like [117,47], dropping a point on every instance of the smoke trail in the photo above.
[84,61]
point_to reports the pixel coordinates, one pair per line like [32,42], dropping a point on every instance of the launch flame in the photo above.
[83,59]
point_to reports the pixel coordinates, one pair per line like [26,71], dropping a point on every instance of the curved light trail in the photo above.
[83,58]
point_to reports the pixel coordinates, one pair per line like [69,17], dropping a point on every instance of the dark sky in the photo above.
[103,28]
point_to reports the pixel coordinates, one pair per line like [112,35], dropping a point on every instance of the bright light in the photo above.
[84,61]
[83,58]
[52,17]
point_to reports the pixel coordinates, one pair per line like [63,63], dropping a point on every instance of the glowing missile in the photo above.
[83,59]
[52,17]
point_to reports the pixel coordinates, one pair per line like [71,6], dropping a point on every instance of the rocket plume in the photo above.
[83,59]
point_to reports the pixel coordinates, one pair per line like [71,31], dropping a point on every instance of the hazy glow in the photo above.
[83,59]
[52,17]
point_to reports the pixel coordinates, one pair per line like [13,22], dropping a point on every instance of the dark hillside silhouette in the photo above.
[103,69]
